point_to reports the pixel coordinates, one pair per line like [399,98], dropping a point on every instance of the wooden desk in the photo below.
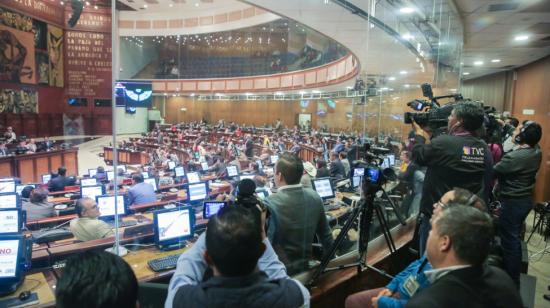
[125,156]
[37,283]
[138,261]
[30,167]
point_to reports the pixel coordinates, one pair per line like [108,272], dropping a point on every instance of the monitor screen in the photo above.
[274,159]
[247,176]
[9,201]
[19,188]
[204,166]
[197,192]
[391,157]
[145,175]
[179,171]
[385,163]
[193,177]
[151,181]
[133,94]
[212,208]
[373,174]
[171,165]
[46,178]
[92,172]
[355,181]
[323,187]
[358,171]
[262,193]
[88,182]
[9,257]
[110,175]
[10,221]
[123,167]
[7,187]
[106,205]
[173,224]
[232,171]
[259,163]
[91,191]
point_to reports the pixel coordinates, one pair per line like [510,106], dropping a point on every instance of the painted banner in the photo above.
[55,52]
[17,63]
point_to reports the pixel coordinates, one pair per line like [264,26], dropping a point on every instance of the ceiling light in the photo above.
[521,38]
[407,86]
[407,10]
[87,3]
[403,72]
[407,36]
[197,4]
[62,3]
[145,6]
[95,7]
[478,63]
[465,73]
[495,60]
[170,5]
[391,78]
[248,94]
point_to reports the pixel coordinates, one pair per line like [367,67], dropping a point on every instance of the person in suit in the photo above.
[297,216]
[38,207]
[322,170]
[59,182]
[10,135]
[140,192]
[457,247]
[336,169]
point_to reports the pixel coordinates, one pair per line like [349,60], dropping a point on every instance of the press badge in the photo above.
[411,286]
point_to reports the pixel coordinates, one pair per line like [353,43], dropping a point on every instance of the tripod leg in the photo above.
[395,210]
[385,229]
[535,227]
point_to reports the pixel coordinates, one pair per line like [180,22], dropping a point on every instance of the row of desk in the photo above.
[30,167]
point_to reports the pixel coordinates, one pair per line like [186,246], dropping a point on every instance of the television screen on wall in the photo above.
[76,101]
[134,94]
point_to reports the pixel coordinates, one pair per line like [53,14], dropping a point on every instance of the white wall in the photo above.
[127,123]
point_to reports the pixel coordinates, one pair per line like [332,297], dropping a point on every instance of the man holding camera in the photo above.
[458,159]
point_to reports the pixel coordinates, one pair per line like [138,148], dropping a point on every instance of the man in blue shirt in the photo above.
[141,192]
[246,270]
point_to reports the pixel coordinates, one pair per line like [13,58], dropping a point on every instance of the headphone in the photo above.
[530,133]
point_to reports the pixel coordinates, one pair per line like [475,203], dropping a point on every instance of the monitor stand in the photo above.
[172,246]
[121,251]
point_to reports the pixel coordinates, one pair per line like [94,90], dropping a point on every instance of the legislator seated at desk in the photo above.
[87,226]
[141,192]
[59,182]
[37,206]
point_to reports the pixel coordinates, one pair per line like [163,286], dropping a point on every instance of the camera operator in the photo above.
[459,159]
[516,179]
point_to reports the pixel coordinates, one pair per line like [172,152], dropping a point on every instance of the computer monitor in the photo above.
[385,163]
[358,171]
[92,191]
[106,205]
[259,163]
[173,226]
[197,192]
[246,176]
[10,201]
[324,188]
[355,181]
[46,178]
[151,181]
[19,188]
[92,172]
[11,221]
[204,166]
[7,187]
[11,267]
[193,177]
[274,159]
[110,175]
[232,171]
[211,208]
[373,174]
[171,165]
[179,171]
[88,182]
[391,157]
[145,175]
[123,167]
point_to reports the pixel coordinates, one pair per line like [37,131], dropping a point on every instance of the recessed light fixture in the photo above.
[407,36]
[170,5]
[62,3]
[495,60]
[521,38]
[407,10]
[407,85]
[391,78]
[145,6]
[197,4]
[465,73]
[478,63]
[403,72]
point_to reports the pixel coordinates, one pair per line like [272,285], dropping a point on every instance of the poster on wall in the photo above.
[18,101]
[17,63]
[55,52]
[73,125]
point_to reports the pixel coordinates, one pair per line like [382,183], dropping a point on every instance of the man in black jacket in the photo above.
[59,182]
[336,168]
[516,174]
[458,159]
[457,248]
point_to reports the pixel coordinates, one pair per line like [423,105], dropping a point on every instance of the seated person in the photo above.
[336,169]
[309,173]
[140,192]
[247,272]
[26,193]
[3,150]
[101,175]
[38,206]
[297,216]
[87,226]
[59,182]
[322,170]
[457,247]
[119,286]
[22,148]
[31,146]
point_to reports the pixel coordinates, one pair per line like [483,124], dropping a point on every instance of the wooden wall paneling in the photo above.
[43,127]
[3,121]
[6,167]
[30,124]
[55,162]
[27,170]
[70,161]
[56,121]
[492,90]
[42,166]
[14,120]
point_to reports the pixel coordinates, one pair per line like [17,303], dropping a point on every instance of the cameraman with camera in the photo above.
[458,159]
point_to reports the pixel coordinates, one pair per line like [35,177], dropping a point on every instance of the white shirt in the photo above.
[435,274]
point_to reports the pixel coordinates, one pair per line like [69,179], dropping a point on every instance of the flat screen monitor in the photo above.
[373,175]
[324,188]
[46,178]
[204,166]
[110,175]
[7,187]
[145,175]
[19,188]
[92,191]
[232,171]
[11,247]
[355,181]
[211,208]
[10,201]
[358,171]
[172,226]
[88,182]
[151,181]
[247,176]
[92,172]
[171,165]
[11,221]
[179,171]
[259,163]
[197,192]
[274,159]
[193,177]
[391,158]
[106,205]
[133,94]
[385,163]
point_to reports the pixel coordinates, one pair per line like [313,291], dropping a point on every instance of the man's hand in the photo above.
[385,292]
[420,132]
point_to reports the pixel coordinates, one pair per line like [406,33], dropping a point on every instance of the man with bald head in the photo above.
[87,226]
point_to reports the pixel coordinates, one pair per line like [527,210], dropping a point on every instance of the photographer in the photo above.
[459,159]
[516,179]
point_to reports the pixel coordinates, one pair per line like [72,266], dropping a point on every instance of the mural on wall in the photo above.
[55,52]
[42,68]
[73,125]
[18,101]
[17,62]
